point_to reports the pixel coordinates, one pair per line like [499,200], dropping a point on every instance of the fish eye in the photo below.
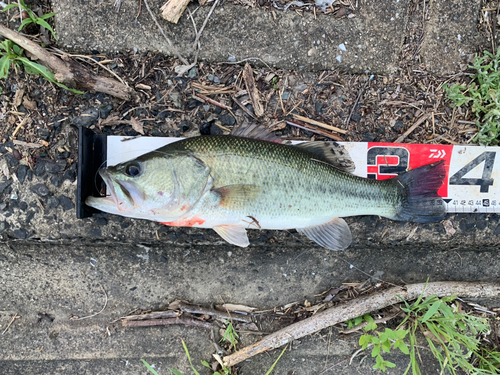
[133,169]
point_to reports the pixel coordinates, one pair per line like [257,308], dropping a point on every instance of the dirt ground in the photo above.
[55,269]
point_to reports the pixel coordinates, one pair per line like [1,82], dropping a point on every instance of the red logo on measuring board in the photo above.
[387,160]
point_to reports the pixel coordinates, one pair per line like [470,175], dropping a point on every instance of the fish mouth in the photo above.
[107,201]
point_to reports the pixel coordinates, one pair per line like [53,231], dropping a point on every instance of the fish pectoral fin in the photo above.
[234,234]
[234,196]
[331,153]
[334,235]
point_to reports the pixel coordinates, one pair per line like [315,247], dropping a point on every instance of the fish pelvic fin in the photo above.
[234,234]
[334,235]
[420,187]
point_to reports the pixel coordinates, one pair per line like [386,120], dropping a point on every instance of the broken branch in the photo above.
[359,307]
[252,90]
[69,72]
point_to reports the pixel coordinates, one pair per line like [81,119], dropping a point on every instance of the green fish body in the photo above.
[232,184]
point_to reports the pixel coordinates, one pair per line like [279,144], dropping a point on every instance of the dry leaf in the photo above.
[243,308]
[18,98]
[448,227]
[29,104]
[137,125]
[433,337]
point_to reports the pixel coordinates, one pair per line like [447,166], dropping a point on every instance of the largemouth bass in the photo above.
[232,184]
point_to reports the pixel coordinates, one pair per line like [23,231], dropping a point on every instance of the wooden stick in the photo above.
[320,124]
[252,90]
[166,322]
[153,315]
[69,72]
[172,10]
[359,307]
[314,130]
[214,313]
[413,127]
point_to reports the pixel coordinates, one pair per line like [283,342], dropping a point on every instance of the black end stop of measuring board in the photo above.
[92,150]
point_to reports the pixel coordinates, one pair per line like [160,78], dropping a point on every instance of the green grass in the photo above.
[32,17]
[483,95]
[12,54]
[453,338]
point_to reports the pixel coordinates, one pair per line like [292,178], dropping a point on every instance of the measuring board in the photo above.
[472,182]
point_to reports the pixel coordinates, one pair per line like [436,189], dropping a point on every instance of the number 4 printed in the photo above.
[485,181]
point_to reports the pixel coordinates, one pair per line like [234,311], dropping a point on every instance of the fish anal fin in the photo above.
[331,153]
[235,196]
[234,234]
[334,235]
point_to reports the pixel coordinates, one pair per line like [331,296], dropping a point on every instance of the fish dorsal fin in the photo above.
[235,196]
[334,235]
[253,130]
[329,152]
[234,234]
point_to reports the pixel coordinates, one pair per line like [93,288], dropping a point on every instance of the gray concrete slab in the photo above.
[62,280]
[369,41]
[451,35]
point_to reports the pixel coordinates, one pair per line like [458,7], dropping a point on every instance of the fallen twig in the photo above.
[69,72]
[320,124]
[152,315]
[314,130]
[413,127]
[357,100]
[10,323]
[252,90]
[359,307]
[214,313]
[166,322]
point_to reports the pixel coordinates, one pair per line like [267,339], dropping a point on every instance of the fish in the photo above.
[231,184]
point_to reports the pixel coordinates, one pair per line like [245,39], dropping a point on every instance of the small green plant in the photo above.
[12,53]
[230,335]
[387,340]
[32,17]
[484,96]
[452,336]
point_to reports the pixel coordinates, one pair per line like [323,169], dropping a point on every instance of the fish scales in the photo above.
[294,186]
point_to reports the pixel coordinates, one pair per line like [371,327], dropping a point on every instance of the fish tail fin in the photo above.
[420,185]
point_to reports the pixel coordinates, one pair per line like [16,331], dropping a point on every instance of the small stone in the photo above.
[4,184]
[40,190]
[87,119]
[11,160]
[192,72]
[356,117]
[56,180]
[39,168]
[285,95]
[164,114]
[66,203]
[215,130]
[57,167]
[497,230]
[3,206]
[318,107]
[21,173]
[205,128]
[4,226]
[20,233]
[69,175]
[52,202]
[184,126]
[398,125]
[227,120]
[101,221]
[23,206]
